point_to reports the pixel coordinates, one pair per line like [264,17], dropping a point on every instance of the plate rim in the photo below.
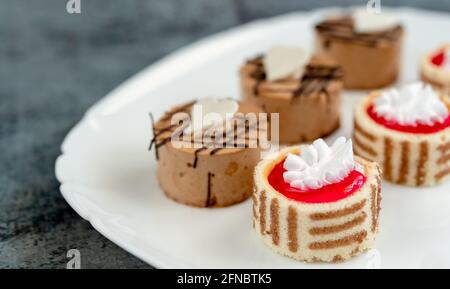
[107,105]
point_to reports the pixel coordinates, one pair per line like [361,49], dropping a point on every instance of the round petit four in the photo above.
[304,89]
[366,45]
[407,131]
[317,203]
[207,151]
[435,68]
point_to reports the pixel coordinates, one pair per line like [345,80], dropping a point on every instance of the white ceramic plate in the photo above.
[108,176]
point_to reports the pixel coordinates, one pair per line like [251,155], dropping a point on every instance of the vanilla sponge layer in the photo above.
[323,232]
[406,158]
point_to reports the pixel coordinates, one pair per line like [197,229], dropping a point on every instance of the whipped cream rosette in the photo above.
[407,131]
[411,105]
[317,203]
[319,165]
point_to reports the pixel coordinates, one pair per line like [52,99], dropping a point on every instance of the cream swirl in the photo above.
[413,103]
[319,165]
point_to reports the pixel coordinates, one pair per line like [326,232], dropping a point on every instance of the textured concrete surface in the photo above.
[53,66]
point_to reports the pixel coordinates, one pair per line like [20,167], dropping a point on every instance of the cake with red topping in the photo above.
[407,131]
[435,68]
[304,89]
[317,203]
[367,46]
[207,151]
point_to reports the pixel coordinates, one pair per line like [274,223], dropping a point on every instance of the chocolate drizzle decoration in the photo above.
[157,141]
[341,29]
[210,200]
[316,77]
[228,139]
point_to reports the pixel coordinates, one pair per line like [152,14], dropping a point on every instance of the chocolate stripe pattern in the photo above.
[361,146]
[406,158]
[292,229]
[421,168]
[364,133]
[331,244]
[262,212]
[444,147]
[388,148]
[404,162]
[274,221]
[255,206]
[318,232]
[338,213]
[339,228]
[374,207]
[443,174]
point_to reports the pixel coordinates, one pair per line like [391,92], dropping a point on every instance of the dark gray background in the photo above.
[53,66]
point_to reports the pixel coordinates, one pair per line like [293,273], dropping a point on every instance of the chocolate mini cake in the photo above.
[407,132]
[317,203]
[367,46]
[307,95]
[204,169]
[435,69]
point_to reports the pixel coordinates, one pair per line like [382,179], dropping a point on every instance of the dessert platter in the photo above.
[308,140]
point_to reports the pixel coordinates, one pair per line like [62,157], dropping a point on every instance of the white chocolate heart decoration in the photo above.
[208,112]
[281,62]
[365,22]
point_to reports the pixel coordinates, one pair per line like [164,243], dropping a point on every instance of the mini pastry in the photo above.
[305,91]
[207,151]
[435,69]
[407,131]
[366,45]
[317,203]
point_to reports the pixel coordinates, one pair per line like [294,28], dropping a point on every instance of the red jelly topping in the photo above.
[326,194]
[438,59]
[420,127]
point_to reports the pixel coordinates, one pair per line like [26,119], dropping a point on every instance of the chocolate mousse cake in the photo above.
[317,203]
[208,162]
[407,132]
[366,45]
[435,69]
[304,89]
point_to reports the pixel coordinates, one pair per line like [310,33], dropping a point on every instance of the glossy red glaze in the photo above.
[419,128]
[326,194]
[438,58]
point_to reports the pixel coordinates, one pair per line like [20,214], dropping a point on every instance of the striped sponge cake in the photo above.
[316,232]
[435,75]
[406,158]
